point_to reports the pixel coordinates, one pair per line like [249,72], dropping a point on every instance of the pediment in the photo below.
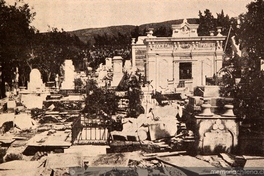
[185,29]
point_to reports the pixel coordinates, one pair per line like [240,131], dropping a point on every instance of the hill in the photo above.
[87,35]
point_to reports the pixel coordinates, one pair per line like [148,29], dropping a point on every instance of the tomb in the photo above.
[182,61]
[68,82]
[215,126]
[35,83]
[127,66]
[117,70]
[36,93]
[139,52]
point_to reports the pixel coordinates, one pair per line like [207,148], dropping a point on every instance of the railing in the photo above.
[94,131]
[184,83]
[76,129]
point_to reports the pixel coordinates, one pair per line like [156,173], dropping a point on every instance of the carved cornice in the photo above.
[160,54]
[185,46]
[189,39]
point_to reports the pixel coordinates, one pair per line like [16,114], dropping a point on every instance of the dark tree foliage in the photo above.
[207,23]
[15,34]
[135,33]
[22,46]
[131,84]
[249,98]
[249,93]
[49,50]
[251,33]
[144,32]
[97,55]
[228,28]
[116,40]
[109,46]
[162,32]
[99,99]
[134,94]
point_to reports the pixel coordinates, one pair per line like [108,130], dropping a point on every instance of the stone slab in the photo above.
[57,139]
[248,157]
[32,101]
[190,165]
[87,150]
[64,160]
[254,163]
[6,140]
[20,167]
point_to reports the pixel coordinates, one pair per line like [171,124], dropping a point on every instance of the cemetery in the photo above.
[197,126]
[188,103]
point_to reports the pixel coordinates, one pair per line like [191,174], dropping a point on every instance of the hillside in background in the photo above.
[87,35]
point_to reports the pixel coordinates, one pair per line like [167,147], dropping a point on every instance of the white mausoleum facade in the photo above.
[183,60]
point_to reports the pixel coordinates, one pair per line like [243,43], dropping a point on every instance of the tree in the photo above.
[162,32]
[131,84]
[135,33]
[48,51]
[228,28]
[207,23]
[109,46]
[15,34]
[99,99]
[249,93]
[251,33]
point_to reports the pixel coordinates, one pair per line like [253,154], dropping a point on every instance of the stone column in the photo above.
[150,70]
[176,74]
[196,69]
[117,64]
[133,55]
[156,71]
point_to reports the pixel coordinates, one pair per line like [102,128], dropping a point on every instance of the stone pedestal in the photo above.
[117,70]
[127,66]
[33,100]
[108,63]
[215,133]
[68,82]
[11,105]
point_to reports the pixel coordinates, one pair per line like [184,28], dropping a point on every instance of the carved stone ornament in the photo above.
[218,126]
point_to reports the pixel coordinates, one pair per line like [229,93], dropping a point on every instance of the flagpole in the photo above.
[228,37]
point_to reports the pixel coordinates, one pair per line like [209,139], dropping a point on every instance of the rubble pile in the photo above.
[158,130]
[31,133]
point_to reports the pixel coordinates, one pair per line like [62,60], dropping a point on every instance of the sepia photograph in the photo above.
[131,87]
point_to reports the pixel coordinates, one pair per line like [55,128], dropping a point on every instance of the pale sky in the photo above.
[80,14]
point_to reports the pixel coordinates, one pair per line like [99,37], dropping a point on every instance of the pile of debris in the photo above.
[159,130]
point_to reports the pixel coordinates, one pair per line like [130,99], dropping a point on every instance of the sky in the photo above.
[80,14]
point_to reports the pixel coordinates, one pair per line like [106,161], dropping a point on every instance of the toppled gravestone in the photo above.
[24,121]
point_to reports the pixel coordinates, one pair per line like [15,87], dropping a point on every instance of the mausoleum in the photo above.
[183,60]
